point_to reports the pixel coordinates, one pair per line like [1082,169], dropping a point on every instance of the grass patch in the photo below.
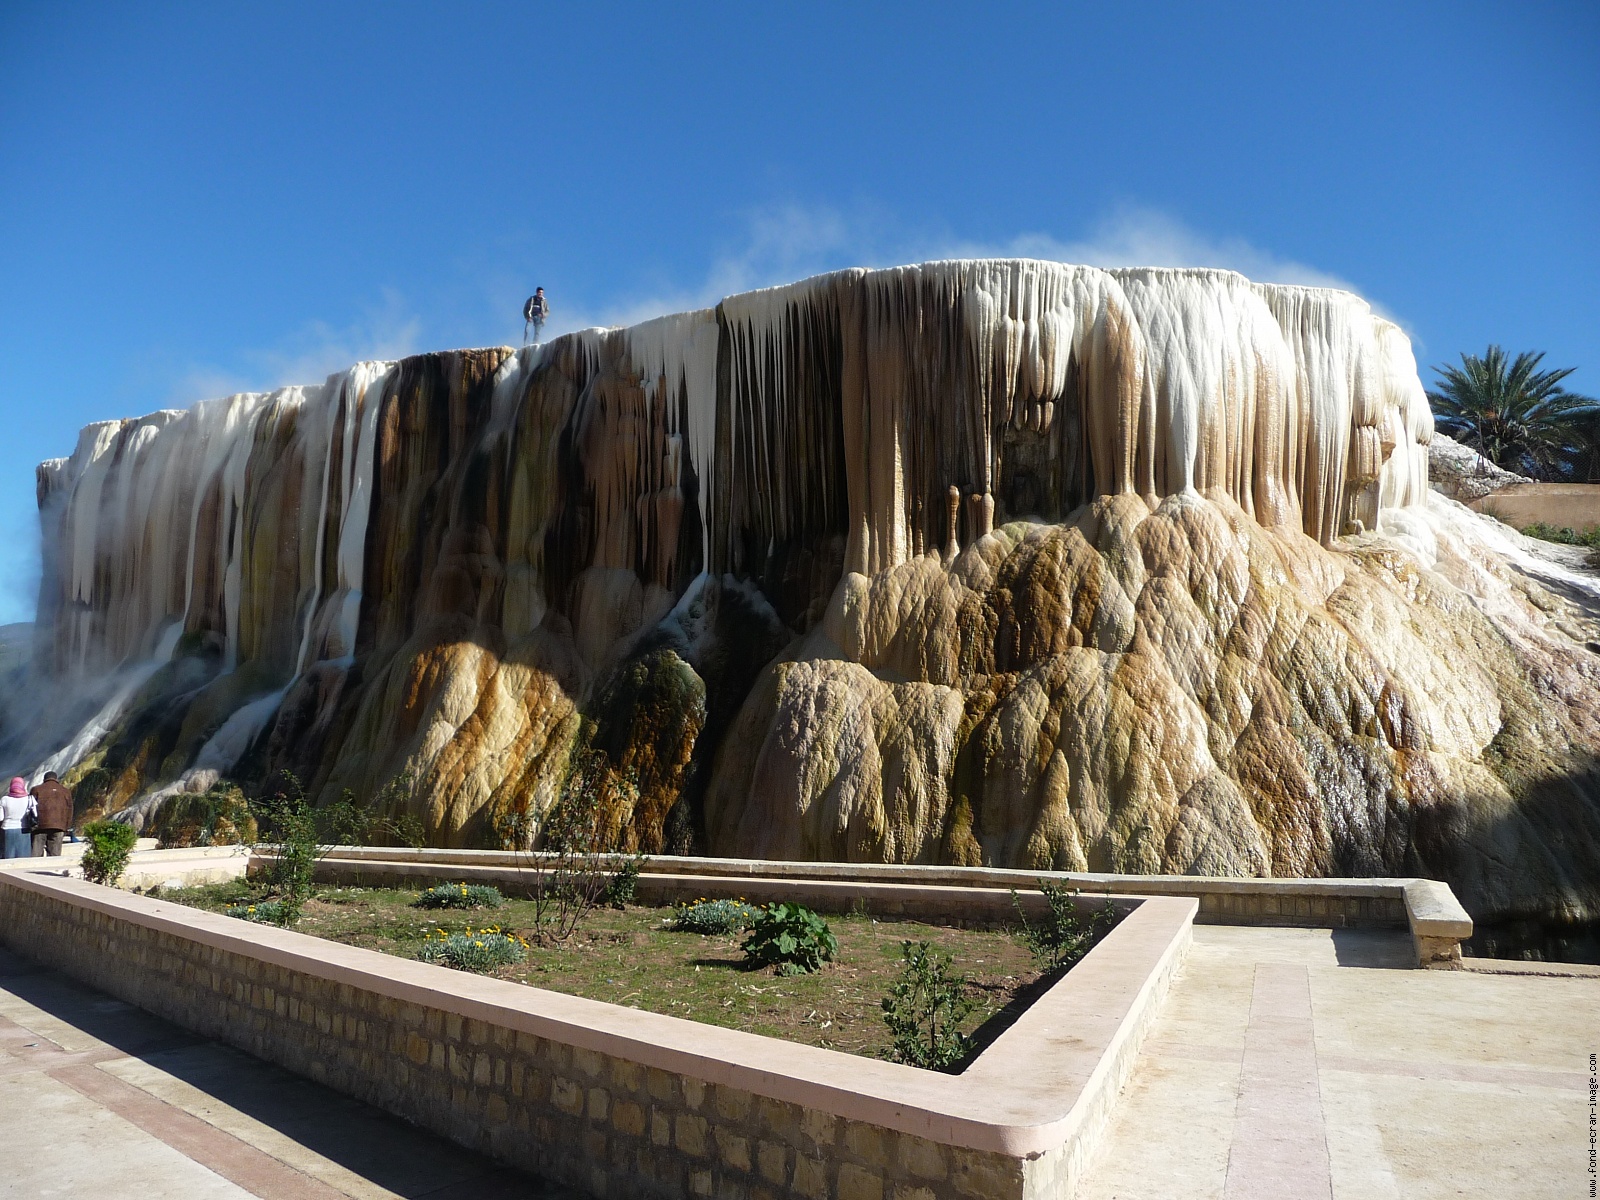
[635,957]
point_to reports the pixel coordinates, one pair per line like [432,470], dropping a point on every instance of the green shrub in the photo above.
[296,833]
[1565,535]
[624,885]
[791,938]
[266,912]
[1065,935]
[459,895]
[574,852]
[713,916]
[110,843]
[1568,536]
[473,950]
[925,1008]
[289,824]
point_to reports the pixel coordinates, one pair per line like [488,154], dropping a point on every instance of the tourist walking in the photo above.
[16,814]
[534,313]
[52,815]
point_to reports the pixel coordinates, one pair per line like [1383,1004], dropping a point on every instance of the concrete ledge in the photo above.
[149,867]
[1438,923]
[926,902]
[1436,920]
[72,852]
[188,867]
[452,1051]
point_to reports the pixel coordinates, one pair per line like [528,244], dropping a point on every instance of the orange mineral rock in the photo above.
[1003,562]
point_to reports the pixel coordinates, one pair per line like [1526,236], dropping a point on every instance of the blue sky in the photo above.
[198,199]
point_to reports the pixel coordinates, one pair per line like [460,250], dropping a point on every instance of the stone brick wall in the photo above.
[1306,908]
[603,1124]
[920,892]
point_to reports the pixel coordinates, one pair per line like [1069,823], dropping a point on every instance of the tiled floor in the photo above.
[128,1106]
[1312,1063]
[1286,1063]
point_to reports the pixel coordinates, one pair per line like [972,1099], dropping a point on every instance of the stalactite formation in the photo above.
[1002,562]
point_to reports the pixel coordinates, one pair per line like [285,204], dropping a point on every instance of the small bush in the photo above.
[266,912]
[473,950]
[577,859]
[459,895]
[297,834]
[791,938]
[1565,535]
[624,885]
[925,1008]
[1065,935]
[1568,536]
[713,917]
[110,843]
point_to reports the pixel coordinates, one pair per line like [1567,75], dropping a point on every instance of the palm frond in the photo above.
[1515,414]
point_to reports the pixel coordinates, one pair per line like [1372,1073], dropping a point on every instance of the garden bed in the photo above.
[631,957]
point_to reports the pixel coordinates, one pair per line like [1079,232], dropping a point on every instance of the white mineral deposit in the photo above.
[981,562]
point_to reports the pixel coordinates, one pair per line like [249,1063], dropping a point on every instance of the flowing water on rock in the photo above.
[1001,562]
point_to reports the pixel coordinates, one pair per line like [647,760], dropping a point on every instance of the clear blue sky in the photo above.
[196,199]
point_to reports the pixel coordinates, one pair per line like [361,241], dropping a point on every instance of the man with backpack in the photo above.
[53,816]
[534,313]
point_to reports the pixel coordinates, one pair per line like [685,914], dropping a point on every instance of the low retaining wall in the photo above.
[616,1101]
[1575,505]
[1427,908]
[149,867]
[946,904]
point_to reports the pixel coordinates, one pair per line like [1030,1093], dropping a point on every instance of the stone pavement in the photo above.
[1287,1063]
[1309,1063]
[129,1106]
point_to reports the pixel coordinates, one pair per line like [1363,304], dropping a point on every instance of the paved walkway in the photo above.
[1301,1064]
[1291,1064]
[131,1107]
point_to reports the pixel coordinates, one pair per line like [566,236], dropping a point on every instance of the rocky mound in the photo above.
[1463,474]
[980,562]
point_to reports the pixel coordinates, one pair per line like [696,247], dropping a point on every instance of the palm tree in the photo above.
[1514,414]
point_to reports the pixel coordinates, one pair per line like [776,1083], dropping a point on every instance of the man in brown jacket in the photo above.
[55,815]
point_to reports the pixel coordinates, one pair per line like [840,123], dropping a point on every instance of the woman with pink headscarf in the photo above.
[14,809]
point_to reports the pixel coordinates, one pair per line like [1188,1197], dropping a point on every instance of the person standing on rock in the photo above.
[534,313]
[53,815]
[16,812]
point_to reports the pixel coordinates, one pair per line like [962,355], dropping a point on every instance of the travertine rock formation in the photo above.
[977,562]
[1463,474]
